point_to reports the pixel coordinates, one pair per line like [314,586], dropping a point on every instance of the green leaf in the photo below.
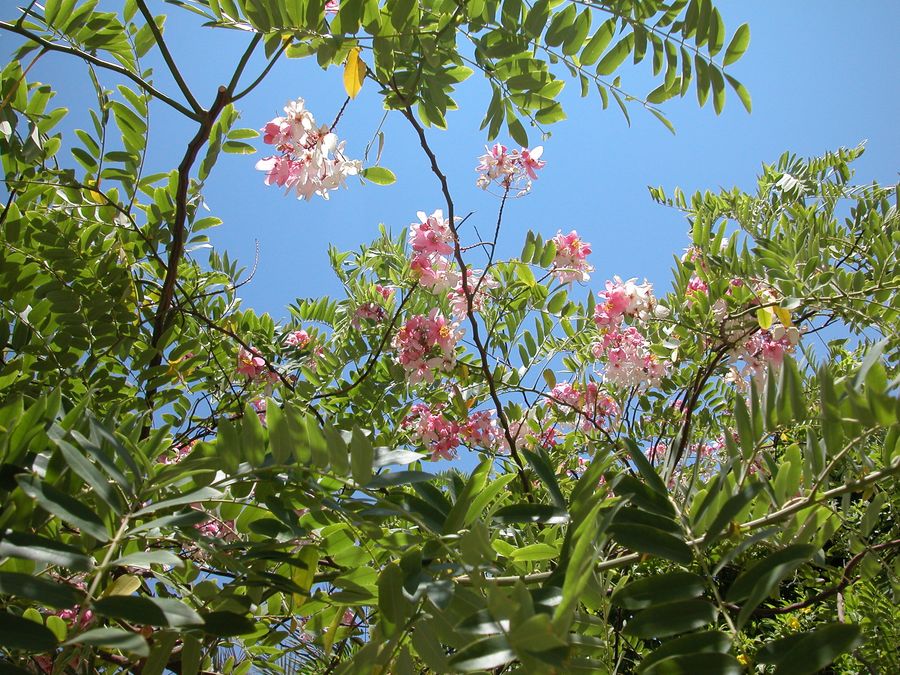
[531,513]
[537,17]
[616,56]
[540,462]
[730,510]
[63,506]
[89,473]
[671,618]
[559,26]
[483,654]
[379,175]
[165,612]
[38,589]
[490,492]
[114,638]
[741,91]
[42,550]
[362,455]
[145,559]
[456,519]
[738,45]
[227,624]
[693,664]
[693,643]
[659,589]
[766,573]
[29,636]
[534,553]
[646,539]
[817,649]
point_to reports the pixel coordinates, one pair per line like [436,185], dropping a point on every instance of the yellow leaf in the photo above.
[124,585]
[354,73]
[783,315]
[764,316]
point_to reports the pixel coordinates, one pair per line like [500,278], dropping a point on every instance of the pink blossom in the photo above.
[312,160]
[570,263]
[332,6]
[593,405]
[481,430]
[432,271]
[425,344]
[656,452]
[250,364]
[384,291]
[176,454]
[432,234]
[430,428]
[509,170]
[624,299]
[478,285]
[696,285]
[298,338]
[629,362]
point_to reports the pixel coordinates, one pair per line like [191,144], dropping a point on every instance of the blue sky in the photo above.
[820,75]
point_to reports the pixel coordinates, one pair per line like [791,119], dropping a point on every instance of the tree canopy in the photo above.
[693,479]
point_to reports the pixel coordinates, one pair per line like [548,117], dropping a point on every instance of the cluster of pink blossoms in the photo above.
[176,454]
[312,160]
[509,169]
[524,434]
[570,263]
[429,427]
[298,339]
[762,349]
[625,299]
[253,366]
[425,344]
[594,406]
[629,362]
[431,241]
[373,311]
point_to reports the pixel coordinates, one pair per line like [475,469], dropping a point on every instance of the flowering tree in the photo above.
[668,482]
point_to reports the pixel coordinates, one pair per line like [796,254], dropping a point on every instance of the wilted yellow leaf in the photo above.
[124,585]
[764,317]
[783,315]
[354,73]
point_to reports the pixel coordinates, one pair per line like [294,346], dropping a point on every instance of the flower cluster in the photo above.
[431,240]
[311,160]
[442,436]
[762,349]
[373,311]
[593,405]
[509,169]
[570,263]
[629,362]
[478,284]
[425,344]
[624,299]
[176,454]
[298,339]
[253,366]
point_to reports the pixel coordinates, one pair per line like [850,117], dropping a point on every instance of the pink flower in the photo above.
[629,362]
[624,299]
[570,263]
[432,271]
[332,6]
[250,364]
[425,344]
[180,452]
[432,234]
[312,160]
[481,430]
[298,338]
[478,285]
[429,427]
[531,161]
[509,170]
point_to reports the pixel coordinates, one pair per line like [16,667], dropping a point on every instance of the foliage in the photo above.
[681,483]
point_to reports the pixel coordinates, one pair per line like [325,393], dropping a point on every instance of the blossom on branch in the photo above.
[570,263]
[426,344]
[509,169]
[312,159]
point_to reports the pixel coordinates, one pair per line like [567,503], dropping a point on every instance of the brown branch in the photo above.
[176,246]
[469,293]
[834,590]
